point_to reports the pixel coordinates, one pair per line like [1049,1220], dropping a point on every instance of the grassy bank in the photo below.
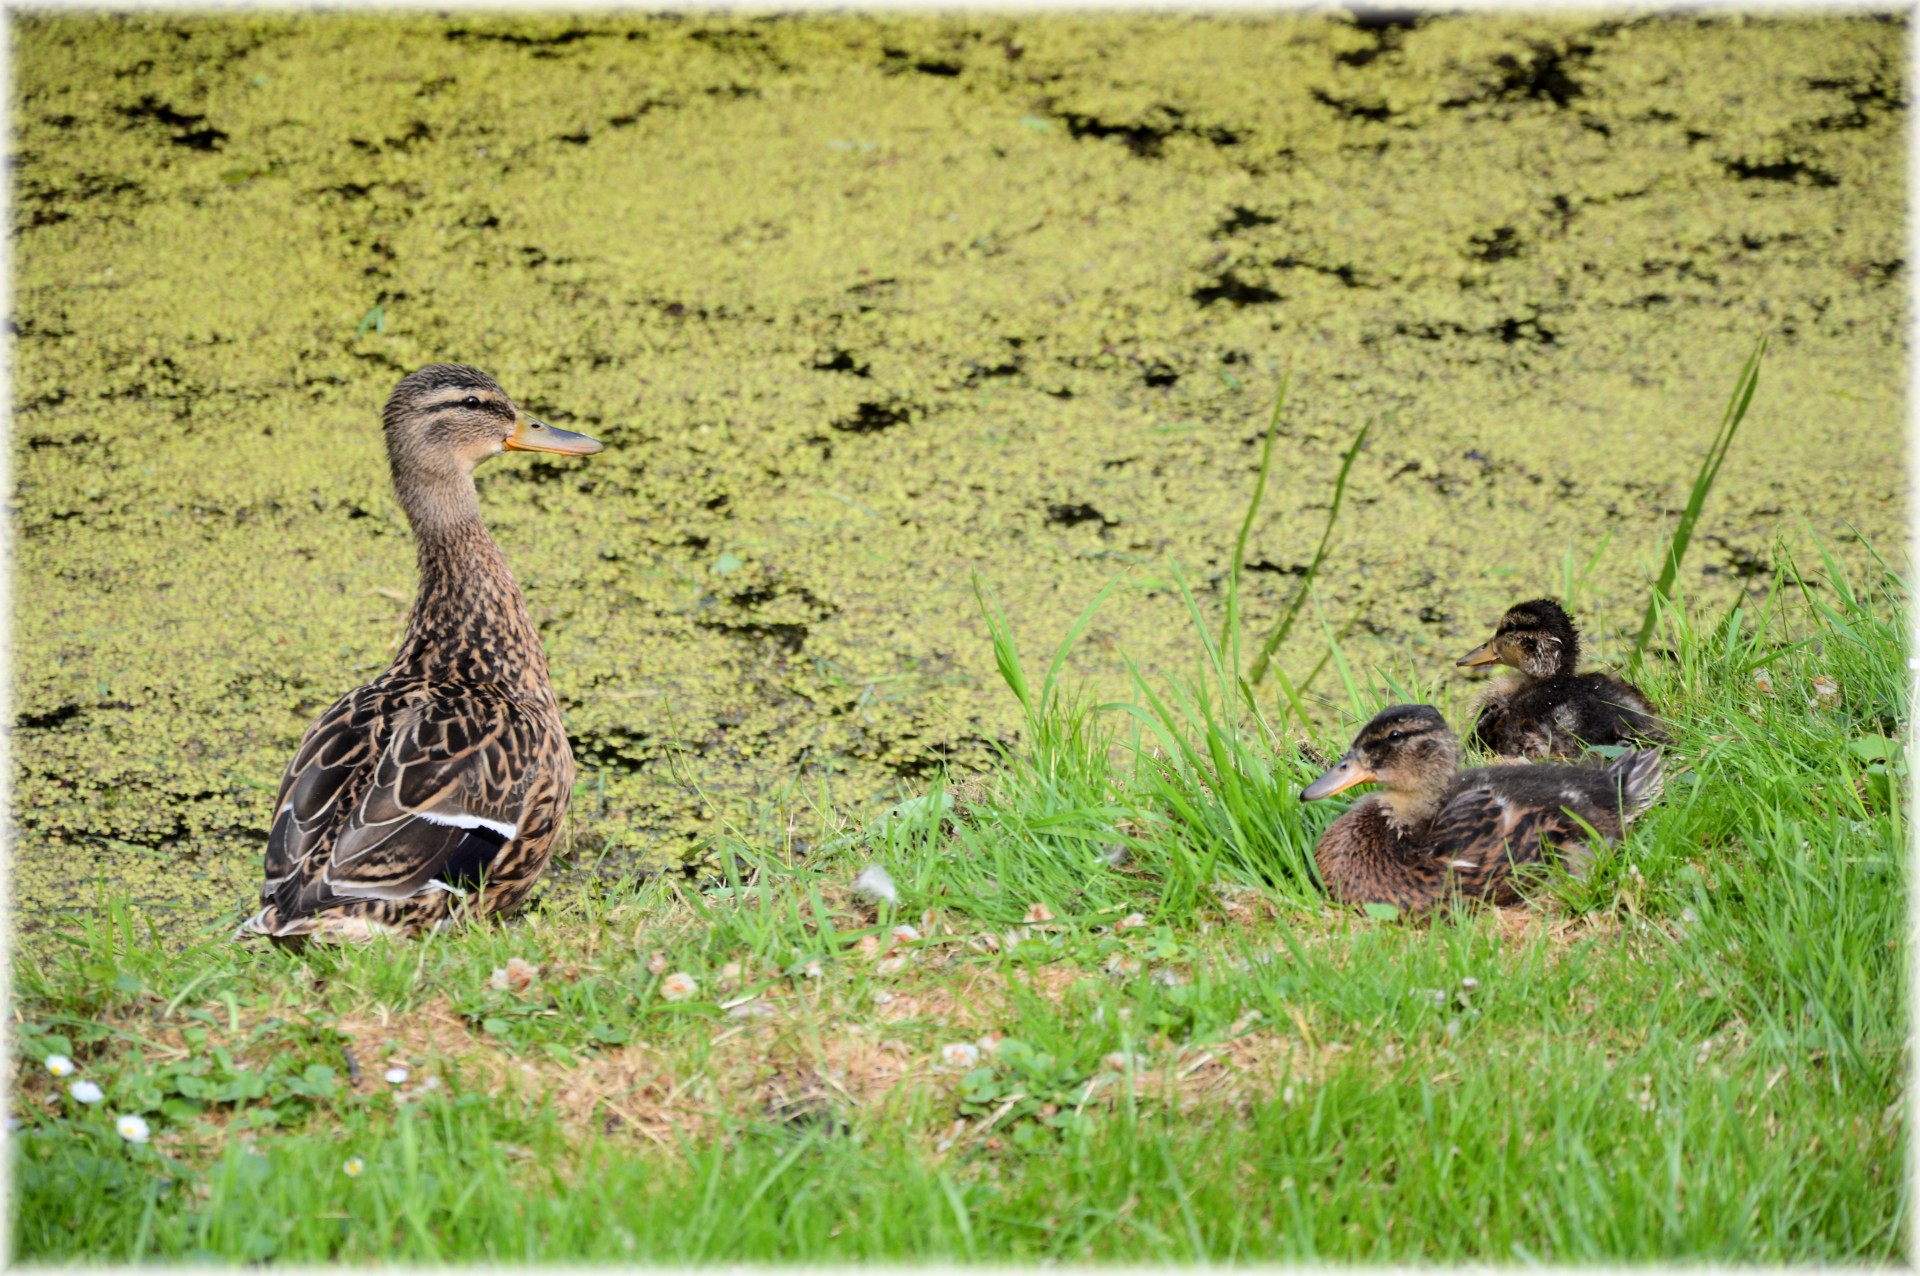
[1124,1025]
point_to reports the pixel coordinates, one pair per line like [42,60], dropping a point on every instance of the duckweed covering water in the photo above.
[864,308]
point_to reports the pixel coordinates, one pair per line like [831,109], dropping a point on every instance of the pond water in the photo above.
[866,310]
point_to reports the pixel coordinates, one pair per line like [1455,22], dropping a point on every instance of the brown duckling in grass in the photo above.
[1432,831]
[1546,708]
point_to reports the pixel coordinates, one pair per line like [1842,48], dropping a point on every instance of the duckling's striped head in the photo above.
[451,413]
[1406,749]
[1536,637]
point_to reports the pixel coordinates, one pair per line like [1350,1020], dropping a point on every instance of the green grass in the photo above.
[1696,1053]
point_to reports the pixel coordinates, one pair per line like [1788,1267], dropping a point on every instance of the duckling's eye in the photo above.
[1394,735]
[473,401]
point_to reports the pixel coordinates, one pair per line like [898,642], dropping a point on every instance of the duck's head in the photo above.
[1408,750]
[447,418]
[1537,638]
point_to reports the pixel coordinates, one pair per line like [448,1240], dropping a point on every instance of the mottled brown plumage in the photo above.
[1546,709]
[437,789]
[1432,832]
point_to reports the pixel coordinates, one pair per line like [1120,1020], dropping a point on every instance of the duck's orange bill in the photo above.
[1484,654]
[1346,773]
[530,435]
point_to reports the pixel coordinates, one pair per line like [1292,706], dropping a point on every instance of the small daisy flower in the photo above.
[59,1065]
[960,1054]
[1038,913]
[397,1076]
[133,1129]
[1132,921]
[354,1167]
[86,1092]
[679,986]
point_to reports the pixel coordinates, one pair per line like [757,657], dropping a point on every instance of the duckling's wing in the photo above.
[444,797]
[1483,833]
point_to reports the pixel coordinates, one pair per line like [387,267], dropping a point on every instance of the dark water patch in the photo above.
[1545,74]
[1072,515]
[1346,274]
[897,61]
[978,372]
[1278,569]
[1498,244]
[1790,170]
[873,417]
[843,361]
[194,134]
[633,117]
[48,720]
[540,45]
[1235,291]
[1386,26]
[84,438]
[1354,108]
[790,637]
[1146,139]
[1243,218]
[1866,95]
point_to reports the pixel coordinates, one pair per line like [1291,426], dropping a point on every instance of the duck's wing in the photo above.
[424,789]
[334,758]
[1482,833]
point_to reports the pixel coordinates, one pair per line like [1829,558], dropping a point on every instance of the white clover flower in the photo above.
[133,1129]
[354,1167]
[876,885]
[679,986]
[397,1076]
[59,1065]
[86,1092]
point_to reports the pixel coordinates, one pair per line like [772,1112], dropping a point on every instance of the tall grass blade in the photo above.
[1284,624]
[1702,484]
[1230,629]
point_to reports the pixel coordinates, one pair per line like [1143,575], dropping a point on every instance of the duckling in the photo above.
[1547,709]
[1432,832]
[437,789]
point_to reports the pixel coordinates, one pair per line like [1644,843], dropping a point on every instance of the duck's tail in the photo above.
[1640,779]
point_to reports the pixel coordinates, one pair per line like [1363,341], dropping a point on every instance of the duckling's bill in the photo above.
[530,435]
[1484,654]
[1346,773]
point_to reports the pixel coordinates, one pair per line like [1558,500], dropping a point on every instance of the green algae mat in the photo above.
[868,310]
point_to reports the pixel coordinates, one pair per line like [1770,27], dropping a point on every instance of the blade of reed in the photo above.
[1702,484]
[1284,624]
[1230,628]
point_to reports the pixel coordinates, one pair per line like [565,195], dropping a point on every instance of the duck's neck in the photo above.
[469,621]
[1408,812]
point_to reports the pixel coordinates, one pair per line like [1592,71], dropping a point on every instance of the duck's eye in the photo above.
[473,401]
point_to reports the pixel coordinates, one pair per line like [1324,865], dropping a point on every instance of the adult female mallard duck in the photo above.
[448,774]
[1547,708]
[1432,832]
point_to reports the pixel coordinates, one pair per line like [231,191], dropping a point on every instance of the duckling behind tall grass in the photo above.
[1547,709]
[1432,831]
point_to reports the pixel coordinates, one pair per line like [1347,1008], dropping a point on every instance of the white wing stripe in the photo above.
[469,822]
